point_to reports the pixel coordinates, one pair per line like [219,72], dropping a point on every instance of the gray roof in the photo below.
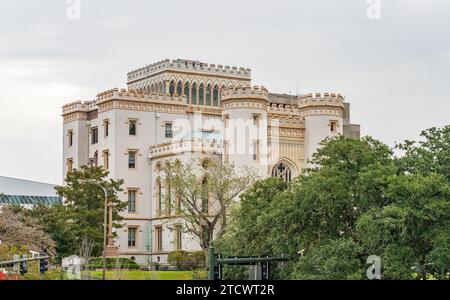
[21,187]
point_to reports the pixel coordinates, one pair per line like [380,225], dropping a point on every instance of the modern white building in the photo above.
[26,193]
[184,109]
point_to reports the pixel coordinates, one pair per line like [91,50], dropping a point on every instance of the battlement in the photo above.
[140,95]
[78,106]
[246,92]
[188,65]
[277,108]
[192,145]
[318,99]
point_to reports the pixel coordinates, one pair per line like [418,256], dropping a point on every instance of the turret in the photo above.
[323,114]
[245,126]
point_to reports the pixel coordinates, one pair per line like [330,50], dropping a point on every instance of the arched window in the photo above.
[201,94]
[172,88]
[205,195]
[216,96]
[222,89]
[159,197]
[152,88]
[168,198]
[187,91]
[179,88]
[194,93]
[208,95]
[282,171]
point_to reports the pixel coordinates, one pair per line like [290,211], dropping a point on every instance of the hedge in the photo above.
[111,263]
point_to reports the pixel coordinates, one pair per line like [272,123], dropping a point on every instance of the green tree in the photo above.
[356,200]
[84,205]
[408,233]
[429,155]
[53,219]
[331,260]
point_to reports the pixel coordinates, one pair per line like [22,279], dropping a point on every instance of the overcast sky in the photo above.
[394,70]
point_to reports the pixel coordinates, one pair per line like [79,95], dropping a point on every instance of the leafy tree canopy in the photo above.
[357,199]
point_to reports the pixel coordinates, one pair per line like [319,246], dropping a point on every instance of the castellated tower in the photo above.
[245,127]
[324,116]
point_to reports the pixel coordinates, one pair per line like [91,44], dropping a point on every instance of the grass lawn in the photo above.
[148,275]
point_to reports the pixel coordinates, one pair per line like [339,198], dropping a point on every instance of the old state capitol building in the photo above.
[185,110]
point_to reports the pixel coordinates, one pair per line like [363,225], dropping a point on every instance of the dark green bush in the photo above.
[187,260]
[111,263]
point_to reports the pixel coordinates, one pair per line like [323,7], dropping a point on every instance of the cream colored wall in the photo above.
[317,128]
[79,149]
[240,137]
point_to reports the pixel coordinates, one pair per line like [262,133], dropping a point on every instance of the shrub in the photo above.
[179,259]
[197,259]
[111,263]
[187,260]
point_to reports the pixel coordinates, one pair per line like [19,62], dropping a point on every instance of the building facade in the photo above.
[191,111]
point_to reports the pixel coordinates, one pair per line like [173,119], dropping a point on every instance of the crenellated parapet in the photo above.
[246,92]
[245,97]
[191,66]
[138,100]
[193,145]
[78,106]
[139,95]
[78,111]
[321,104]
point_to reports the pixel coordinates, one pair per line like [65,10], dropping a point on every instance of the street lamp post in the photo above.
[105,220]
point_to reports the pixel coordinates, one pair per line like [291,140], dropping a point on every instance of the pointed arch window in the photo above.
[215,96]
[187,91]
[194,93]
[222,89]
[172,88]
[179,88]
[201,94]
[282,171]
[168,198]
[159,197]
[208,95]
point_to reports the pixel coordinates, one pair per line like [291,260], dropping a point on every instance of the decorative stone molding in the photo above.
[76,116]
[296,133]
